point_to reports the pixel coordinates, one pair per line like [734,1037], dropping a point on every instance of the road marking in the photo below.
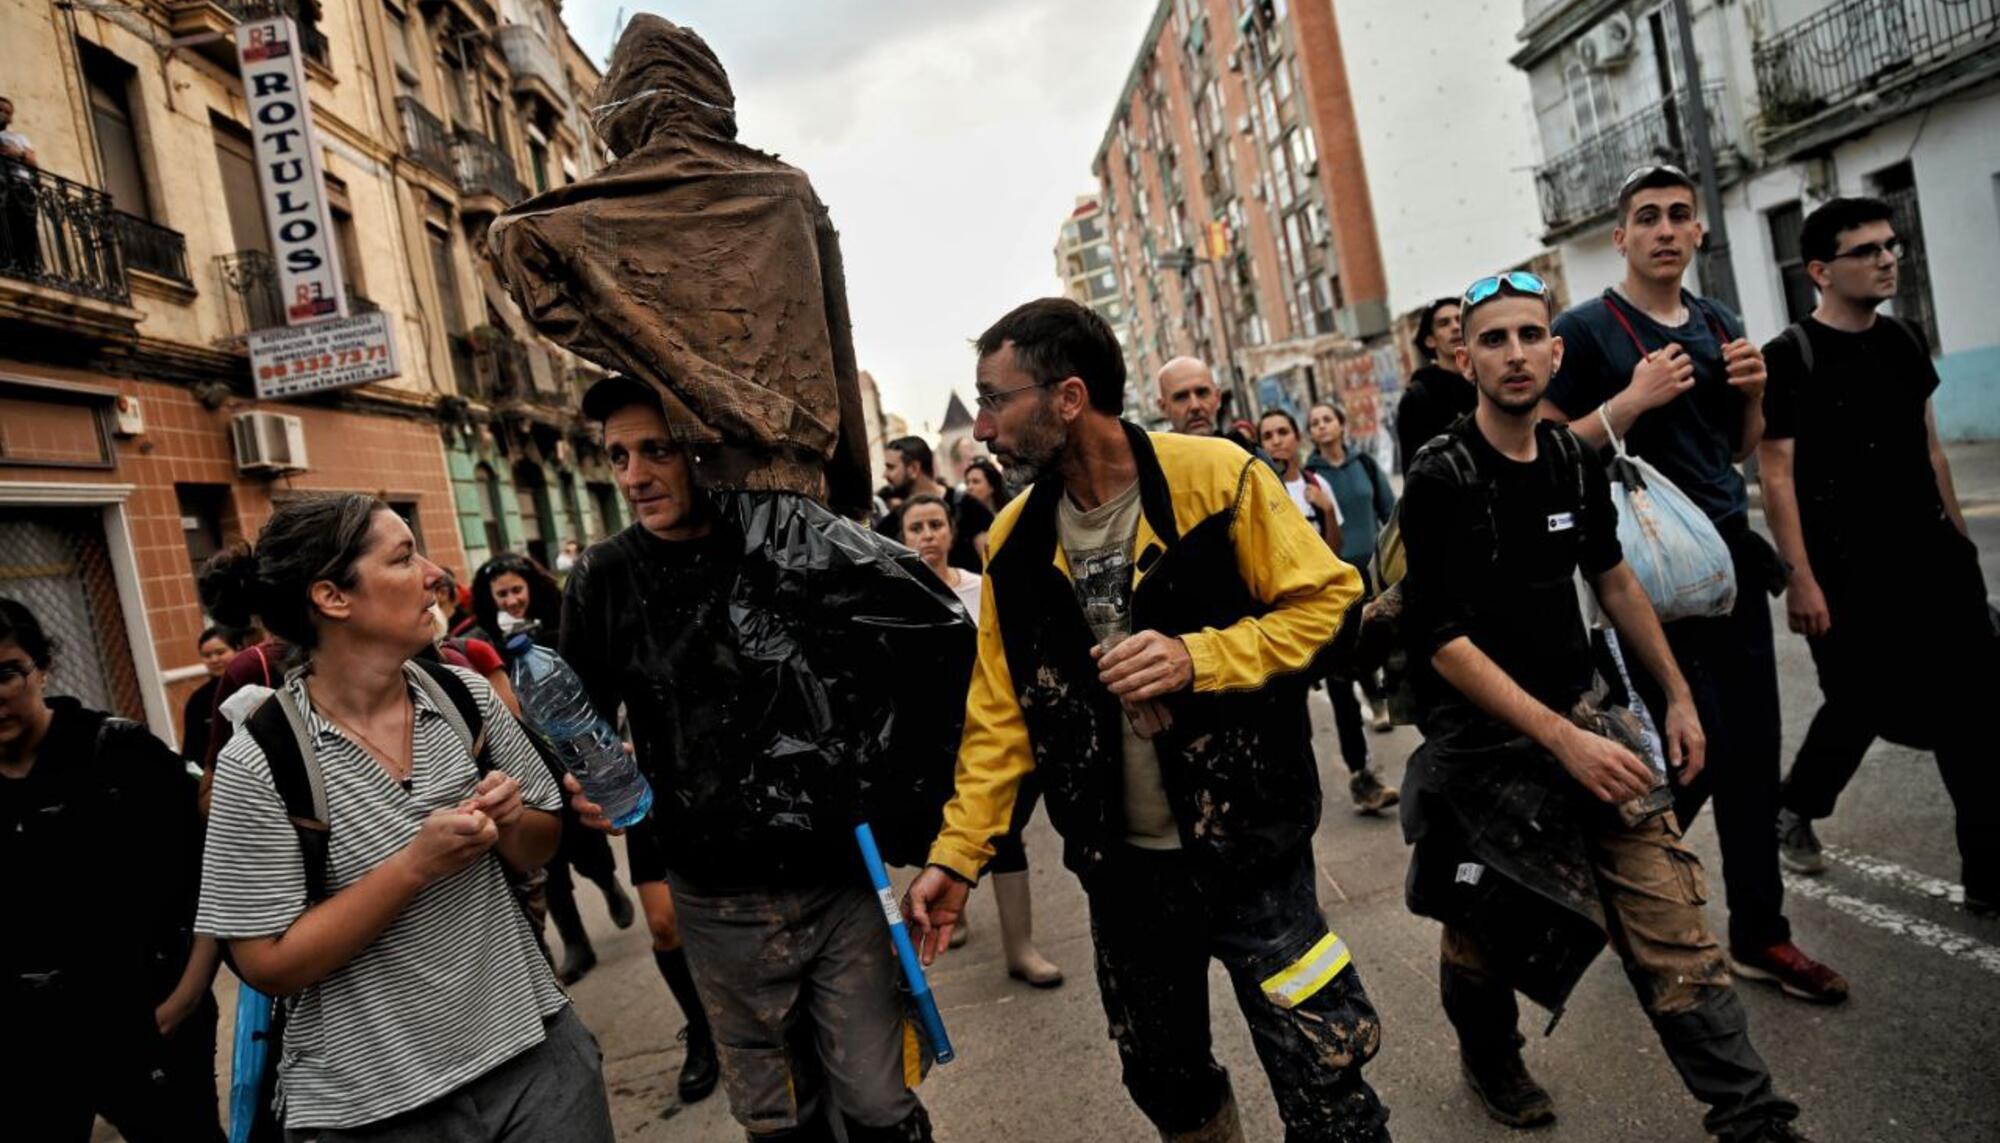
[1950,942]
[1890,873]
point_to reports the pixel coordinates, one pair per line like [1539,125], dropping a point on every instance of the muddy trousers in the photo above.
[801,989]
[1156,922]
[1652,890]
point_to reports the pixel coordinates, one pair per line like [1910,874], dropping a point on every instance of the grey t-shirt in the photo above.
[1099,546]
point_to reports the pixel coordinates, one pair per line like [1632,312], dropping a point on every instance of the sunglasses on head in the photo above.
[1640,174]
[1485,289]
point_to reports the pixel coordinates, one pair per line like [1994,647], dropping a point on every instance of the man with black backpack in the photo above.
[1540,829]
[1674,377]
[1852,468]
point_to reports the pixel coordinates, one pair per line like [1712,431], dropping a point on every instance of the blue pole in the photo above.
[913,969]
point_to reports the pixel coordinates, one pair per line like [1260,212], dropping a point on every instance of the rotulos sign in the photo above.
[288,170]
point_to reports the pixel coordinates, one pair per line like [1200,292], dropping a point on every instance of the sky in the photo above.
[949,140]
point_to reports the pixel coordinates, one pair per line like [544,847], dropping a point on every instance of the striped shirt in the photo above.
[453,987]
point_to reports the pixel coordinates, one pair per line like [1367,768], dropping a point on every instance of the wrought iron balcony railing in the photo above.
[483,168]
[152,248]
[424,136]
[1582,183]
[1853,47]
[251,299]
[59,234]
[305,13]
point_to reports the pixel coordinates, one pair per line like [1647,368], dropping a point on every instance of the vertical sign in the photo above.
[288,171]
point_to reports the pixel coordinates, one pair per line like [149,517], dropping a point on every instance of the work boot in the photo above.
[1222,1127]
[1025,962]
[1798,846]
[578,959]
[1787,966]
[1501,1081]
[618,901]
[1371,795]
[915,1128]
[699,1069]
[962,931]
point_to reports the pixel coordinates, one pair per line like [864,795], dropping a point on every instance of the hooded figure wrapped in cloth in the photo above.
[705,267]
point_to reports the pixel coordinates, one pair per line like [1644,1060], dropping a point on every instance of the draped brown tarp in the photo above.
[705,267]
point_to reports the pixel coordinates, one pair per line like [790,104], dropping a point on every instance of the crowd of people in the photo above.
[359,823]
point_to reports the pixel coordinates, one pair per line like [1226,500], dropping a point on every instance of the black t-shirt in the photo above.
[1861,454]
[1691,439]
[1436,397]
[1495,561]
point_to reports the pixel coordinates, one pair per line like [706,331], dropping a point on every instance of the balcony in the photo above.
[1813,70]
[424,137]
[1580,186]
[251,299]
[152,249]
[485,174]
[60,235]
[210,25]
[537,71]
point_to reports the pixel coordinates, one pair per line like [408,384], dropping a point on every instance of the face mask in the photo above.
[440,626]
[507,624]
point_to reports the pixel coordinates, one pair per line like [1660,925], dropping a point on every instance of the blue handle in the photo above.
[906,953]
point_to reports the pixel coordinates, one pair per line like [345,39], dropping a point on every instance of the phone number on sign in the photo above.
[301,366]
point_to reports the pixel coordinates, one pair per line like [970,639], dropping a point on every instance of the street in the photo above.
[1913,1055]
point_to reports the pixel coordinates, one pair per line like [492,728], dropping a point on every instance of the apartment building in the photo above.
[1233,189]
[1090,277]
[136,261]
[1805,100]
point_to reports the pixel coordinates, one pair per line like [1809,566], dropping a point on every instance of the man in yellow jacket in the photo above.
[1151,606]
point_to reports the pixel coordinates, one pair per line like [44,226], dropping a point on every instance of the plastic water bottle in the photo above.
[554,703]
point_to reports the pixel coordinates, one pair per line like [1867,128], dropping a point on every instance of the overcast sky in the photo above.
[950,141]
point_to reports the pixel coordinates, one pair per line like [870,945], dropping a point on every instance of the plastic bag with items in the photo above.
[1669,542]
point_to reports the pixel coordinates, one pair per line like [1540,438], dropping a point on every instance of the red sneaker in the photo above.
[1785,965]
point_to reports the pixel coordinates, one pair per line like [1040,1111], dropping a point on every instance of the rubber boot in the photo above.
[1222,1127]
[578,957]
[699,1070]
[618,902]
[1487,1017]
[1710,1046]
[1017,932]
[915,1128]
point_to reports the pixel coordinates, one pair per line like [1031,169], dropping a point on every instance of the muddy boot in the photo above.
[1371,795]
[1486,1017]
[915,1128]
[699,1070]
[1710,1047]
[618,902]
[1501,1081]
[1017,932]
[1222,1127]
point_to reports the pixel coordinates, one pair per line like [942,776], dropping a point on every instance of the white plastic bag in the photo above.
[1669,542]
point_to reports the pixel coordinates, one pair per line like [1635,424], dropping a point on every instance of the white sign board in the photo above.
[274,82]
[332,354]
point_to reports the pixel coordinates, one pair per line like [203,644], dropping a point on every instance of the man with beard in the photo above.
[1151,606]
[1852,470]
[1437,395]
[911,470]
[1528,802]
[1673,375]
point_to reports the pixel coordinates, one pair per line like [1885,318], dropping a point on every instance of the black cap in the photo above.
[610,394]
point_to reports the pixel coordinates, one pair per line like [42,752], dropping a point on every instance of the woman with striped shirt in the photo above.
[418,1004]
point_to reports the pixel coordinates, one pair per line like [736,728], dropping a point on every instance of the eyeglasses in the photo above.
[1873,251]
[991,402]
[12,675]
[1484,290]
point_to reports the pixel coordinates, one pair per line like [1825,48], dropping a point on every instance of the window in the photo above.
[496,122]
[109,79]
[350,253]
[606,502]
[1305,152]
[531,497]
[407,509]
[489,508]
[241,195]
[1897,186]
[1295,249]
[1589,101]
[1281,176]
[399,51]
[1784,223]
[538,164]
[202,509]
[445,269]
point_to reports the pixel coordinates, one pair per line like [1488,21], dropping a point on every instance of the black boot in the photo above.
[1486,1017]
[1711,1049]
[915,1128]
[699,1070]
[578,957]
[618,901]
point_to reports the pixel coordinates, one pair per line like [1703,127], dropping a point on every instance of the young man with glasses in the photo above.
[1853,471]
[1538,831]
[1674,377]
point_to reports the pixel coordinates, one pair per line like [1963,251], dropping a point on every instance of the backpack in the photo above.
[1796,334]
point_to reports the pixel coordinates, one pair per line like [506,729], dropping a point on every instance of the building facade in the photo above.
[136,257]
[1805,100]
[1089,275]
[1237,202]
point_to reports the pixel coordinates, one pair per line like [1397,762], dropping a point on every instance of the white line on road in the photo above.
[1950,942]
[1890,873]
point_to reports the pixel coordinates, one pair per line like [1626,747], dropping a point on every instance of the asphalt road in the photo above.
[1913,1055]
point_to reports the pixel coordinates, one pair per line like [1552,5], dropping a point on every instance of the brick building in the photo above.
[137,257]
[1232,183]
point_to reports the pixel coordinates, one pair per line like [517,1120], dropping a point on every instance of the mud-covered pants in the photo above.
[801,991]
[1156,922]
[1652,890]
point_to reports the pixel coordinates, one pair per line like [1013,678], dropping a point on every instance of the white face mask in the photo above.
[565,562]
[507,624]
[440,625]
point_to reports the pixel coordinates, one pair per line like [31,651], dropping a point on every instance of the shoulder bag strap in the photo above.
[454,700]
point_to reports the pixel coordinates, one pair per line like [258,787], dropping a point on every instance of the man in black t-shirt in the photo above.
[1854,476]
[1673,375]
[1437,394]
[1519,849]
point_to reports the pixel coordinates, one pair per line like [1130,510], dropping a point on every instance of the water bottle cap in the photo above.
[521,639]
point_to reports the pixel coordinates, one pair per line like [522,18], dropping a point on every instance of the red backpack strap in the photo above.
[1618,311]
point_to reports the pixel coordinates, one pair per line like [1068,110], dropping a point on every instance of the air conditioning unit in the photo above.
[1609,44]
[268,443]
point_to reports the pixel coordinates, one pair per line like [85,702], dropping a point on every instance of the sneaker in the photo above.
[1792,970]
[1371,796]
[1798,846]
[1510,1094]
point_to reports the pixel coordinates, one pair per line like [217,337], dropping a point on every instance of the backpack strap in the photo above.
[278,727]
[1714,323]
[1796,334]
[454,700]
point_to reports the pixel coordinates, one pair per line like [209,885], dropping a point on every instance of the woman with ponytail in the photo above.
[418,1004]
